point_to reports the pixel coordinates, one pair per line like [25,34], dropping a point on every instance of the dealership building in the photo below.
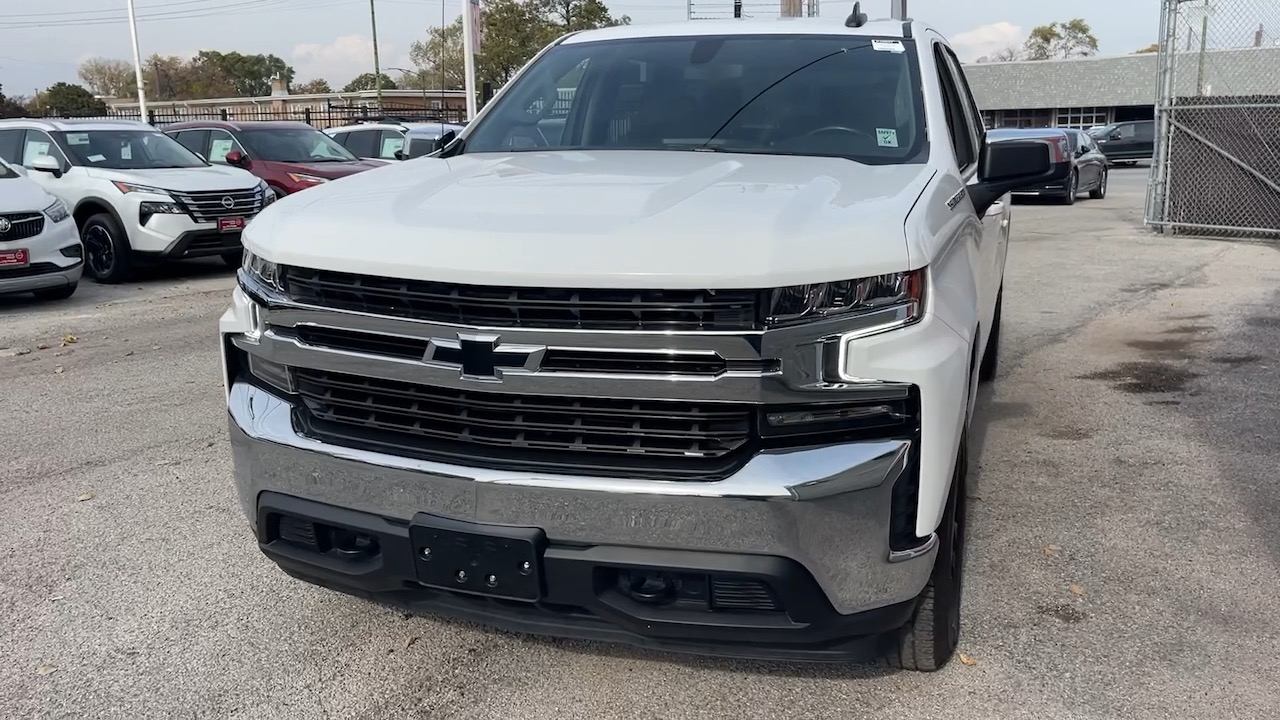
[1084,92]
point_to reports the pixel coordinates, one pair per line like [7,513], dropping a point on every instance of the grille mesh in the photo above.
[22,226]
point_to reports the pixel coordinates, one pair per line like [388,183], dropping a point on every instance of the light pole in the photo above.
[137,63]
[377,71]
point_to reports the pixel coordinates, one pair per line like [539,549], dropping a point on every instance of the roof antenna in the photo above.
[857,18]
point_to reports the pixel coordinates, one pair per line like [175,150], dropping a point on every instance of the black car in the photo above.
[1088,164]
[1127,142]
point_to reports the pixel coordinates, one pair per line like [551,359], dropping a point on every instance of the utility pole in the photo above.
[469,8]
[898,9]
[1204,45]
[377,69]
[137,64]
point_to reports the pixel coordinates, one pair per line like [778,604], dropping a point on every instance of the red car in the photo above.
[289,156]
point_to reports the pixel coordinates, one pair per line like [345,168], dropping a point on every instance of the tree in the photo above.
[366,81]
[1073,38]
[312,87]
[66,99]
[573,15]
[108,77]
[10,107]
[1153,47]
[439,59]
[250,75]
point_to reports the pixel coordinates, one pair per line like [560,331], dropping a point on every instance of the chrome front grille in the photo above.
[527,307]
[21,226]
[208,206]
[599,435]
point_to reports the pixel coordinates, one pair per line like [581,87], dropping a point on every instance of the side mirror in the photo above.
[1082,151]
[1115,135]
[400,155]
[442,141]
[1015,164]
[238,159]
[49,164]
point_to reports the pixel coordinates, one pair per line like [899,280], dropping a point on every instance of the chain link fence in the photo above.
[1216,164]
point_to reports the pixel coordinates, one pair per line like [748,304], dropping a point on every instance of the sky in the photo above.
[331,39]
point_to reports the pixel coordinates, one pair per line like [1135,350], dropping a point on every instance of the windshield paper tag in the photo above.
[886,137]
[77,138]
[893,46]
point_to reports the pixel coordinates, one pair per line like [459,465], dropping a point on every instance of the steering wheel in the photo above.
[839,128]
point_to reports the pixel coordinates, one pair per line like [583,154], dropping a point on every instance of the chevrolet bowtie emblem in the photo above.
[482,357]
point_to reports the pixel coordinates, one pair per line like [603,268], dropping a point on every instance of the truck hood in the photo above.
[603,219]
[21,195]
[212,177]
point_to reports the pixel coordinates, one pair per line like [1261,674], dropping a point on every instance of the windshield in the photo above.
[126,150]
[852,97]
[292,145]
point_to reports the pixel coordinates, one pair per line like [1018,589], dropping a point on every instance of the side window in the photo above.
[193,140]
[1145,131]
[392,143]
[341,138]
[363,143]
[11,146]
[1127,131]
[977,127]
[39,144]
[962,136]
[220,144]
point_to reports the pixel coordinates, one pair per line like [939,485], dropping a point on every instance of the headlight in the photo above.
[268,195]
[147,209]
[849,298]
[263,271]
[57,212]
[304,178]
[126,188]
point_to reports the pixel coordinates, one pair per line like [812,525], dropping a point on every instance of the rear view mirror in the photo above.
[1015,164]
[49,164]
[238,159]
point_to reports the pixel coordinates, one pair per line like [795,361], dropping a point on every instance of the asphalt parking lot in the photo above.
[1121,562]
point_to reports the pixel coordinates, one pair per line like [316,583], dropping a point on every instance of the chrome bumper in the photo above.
[60,278]
[827,508]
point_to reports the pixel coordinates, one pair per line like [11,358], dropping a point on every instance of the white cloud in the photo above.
[987,40]
[341,60]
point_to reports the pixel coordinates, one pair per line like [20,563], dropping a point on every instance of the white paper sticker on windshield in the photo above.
[95,158]
[886,137]
[893,46]
[77,138]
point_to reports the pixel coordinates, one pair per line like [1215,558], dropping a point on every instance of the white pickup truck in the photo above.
[676,344]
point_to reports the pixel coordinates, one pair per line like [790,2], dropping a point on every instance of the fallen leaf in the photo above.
[60,353]
[46,670]
[56,598]
[410,640]
[155,347]
[85,496]
[128,353]
[42,346]
[162,462]
[1051,550]
[1077,590]
[57,370]
[966,660]
[208,443]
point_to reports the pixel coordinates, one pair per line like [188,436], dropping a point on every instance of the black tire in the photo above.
[233,259]
[930,639]
[1073,189]
[1100,192]
[991,355]
[61,293]
[106,249]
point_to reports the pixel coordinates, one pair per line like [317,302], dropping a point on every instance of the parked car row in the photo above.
[121,193]
[392,140]
[1088,163]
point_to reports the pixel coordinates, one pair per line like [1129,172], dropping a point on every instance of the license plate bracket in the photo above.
[490,560]
[230,224]
[17,257]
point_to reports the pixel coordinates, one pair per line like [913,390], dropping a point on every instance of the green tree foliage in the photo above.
[366,81]
[250,75]
[209,74]
[312,87]
[1153,47]
[67,99]
[514,31]
[10,107]
[1060,40]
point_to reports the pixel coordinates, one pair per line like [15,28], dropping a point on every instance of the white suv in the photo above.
[40,251]
[134,192]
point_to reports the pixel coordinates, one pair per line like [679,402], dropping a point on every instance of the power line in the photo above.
[241,7]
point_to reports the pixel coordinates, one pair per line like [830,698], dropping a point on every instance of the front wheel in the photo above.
[106,249]
[931,638]
[1073,189]
[1100,192]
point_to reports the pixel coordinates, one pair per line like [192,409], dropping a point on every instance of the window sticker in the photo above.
[887,137]
[77,138]
[893,46]
[391,146]
[96,158]
[218,150]
[126,152]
